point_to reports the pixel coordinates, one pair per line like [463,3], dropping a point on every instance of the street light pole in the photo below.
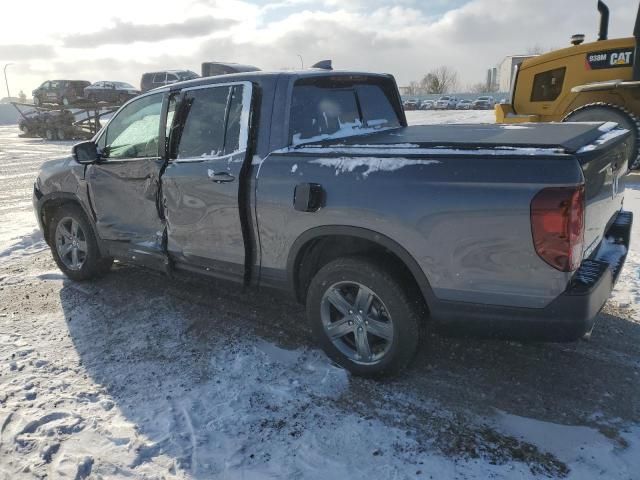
[301,62]
[6,82]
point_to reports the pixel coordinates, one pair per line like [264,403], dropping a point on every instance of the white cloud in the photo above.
[403,37]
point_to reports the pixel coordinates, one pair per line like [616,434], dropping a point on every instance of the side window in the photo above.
[232,141]
[171,111]
[215,122]
[204,127]
[160,77]
[134,131]
[172,78]
[547,86]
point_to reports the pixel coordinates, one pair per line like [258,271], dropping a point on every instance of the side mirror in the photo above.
[85,152]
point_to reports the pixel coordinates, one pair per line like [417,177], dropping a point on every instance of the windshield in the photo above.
[123,85]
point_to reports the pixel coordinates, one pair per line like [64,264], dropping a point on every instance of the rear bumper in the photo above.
[569,317]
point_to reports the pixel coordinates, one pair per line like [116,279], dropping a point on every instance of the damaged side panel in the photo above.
[124,198]
[124,186]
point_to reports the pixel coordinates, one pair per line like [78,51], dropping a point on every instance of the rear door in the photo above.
[202,182]
[124,185]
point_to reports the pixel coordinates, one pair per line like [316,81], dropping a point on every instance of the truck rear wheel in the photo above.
[362,317]
[604,112]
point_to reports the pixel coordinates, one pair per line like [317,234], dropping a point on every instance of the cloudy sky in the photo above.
[121,39]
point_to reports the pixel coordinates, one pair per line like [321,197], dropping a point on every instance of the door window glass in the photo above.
[547,86]
[232,139]
[171,111]
[134,131]
[204,127]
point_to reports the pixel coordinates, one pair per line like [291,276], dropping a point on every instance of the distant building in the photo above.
[503,75]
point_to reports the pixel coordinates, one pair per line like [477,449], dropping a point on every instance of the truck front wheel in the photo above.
[362,317]
[74,245]
[604,112]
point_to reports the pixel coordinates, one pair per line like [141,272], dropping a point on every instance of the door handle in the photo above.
[220,177]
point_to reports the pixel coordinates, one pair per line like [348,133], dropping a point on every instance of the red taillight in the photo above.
[557,224]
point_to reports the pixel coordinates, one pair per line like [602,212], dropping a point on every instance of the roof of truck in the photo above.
[293,74]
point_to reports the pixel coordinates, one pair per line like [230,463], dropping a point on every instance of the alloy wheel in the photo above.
[71,243]
[357,322]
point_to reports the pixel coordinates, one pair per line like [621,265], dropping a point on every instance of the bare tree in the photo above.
[536,49]
[483,87]
[440,80]
[414,88]
[480,87]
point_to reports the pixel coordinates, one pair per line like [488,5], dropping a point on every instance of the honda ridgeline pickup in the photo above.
[312,182]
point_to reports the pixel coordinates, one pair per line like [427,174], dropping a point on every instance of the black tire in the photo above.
[49,134]
[604,112]
[36,100]
[122,99]
[65,101]
[398,308]
[94,264]
[61,134]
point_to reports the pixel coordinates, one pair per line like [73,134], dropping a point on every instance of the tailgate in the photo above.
[604,167]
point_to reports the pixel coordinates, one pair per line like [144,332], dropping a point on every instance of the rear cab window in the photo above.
[334,107]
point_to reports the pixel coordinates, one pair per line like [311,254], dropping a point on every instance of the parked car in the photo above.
[464,105]
[484,103]
[61,92]
[114,92]
[211,69]
[411,105]
[427,105]
[151,80]
[312,182]
[446,103]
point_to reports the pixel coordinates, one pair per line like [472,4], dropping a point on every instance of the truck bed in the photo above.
[550,138]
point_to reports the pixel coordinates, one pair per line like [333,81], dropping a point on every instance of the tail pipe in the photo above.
[603,34]
[636,56]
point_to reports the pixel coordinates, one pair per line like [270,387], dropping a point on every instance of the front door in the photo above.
[201,184]
[124,185]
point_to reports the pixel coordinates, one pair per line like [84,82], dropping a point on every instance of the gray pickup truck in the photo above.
[313,183]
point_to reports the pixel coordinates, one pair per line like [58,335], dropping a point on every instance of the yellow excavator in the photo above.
[586,82]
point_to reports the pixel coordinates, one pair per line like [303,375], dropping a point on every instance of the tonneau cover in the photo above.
[567,137]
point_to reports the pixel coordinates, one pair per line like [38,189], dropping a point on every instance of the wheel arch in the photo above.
[307,256]
[48,204]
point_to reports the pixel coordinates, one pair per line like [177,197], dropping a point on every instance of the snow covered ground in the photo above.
[140,376]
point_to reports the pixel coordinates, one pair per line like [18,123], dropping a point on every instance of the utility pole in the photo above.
[301,62]
[5,78]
